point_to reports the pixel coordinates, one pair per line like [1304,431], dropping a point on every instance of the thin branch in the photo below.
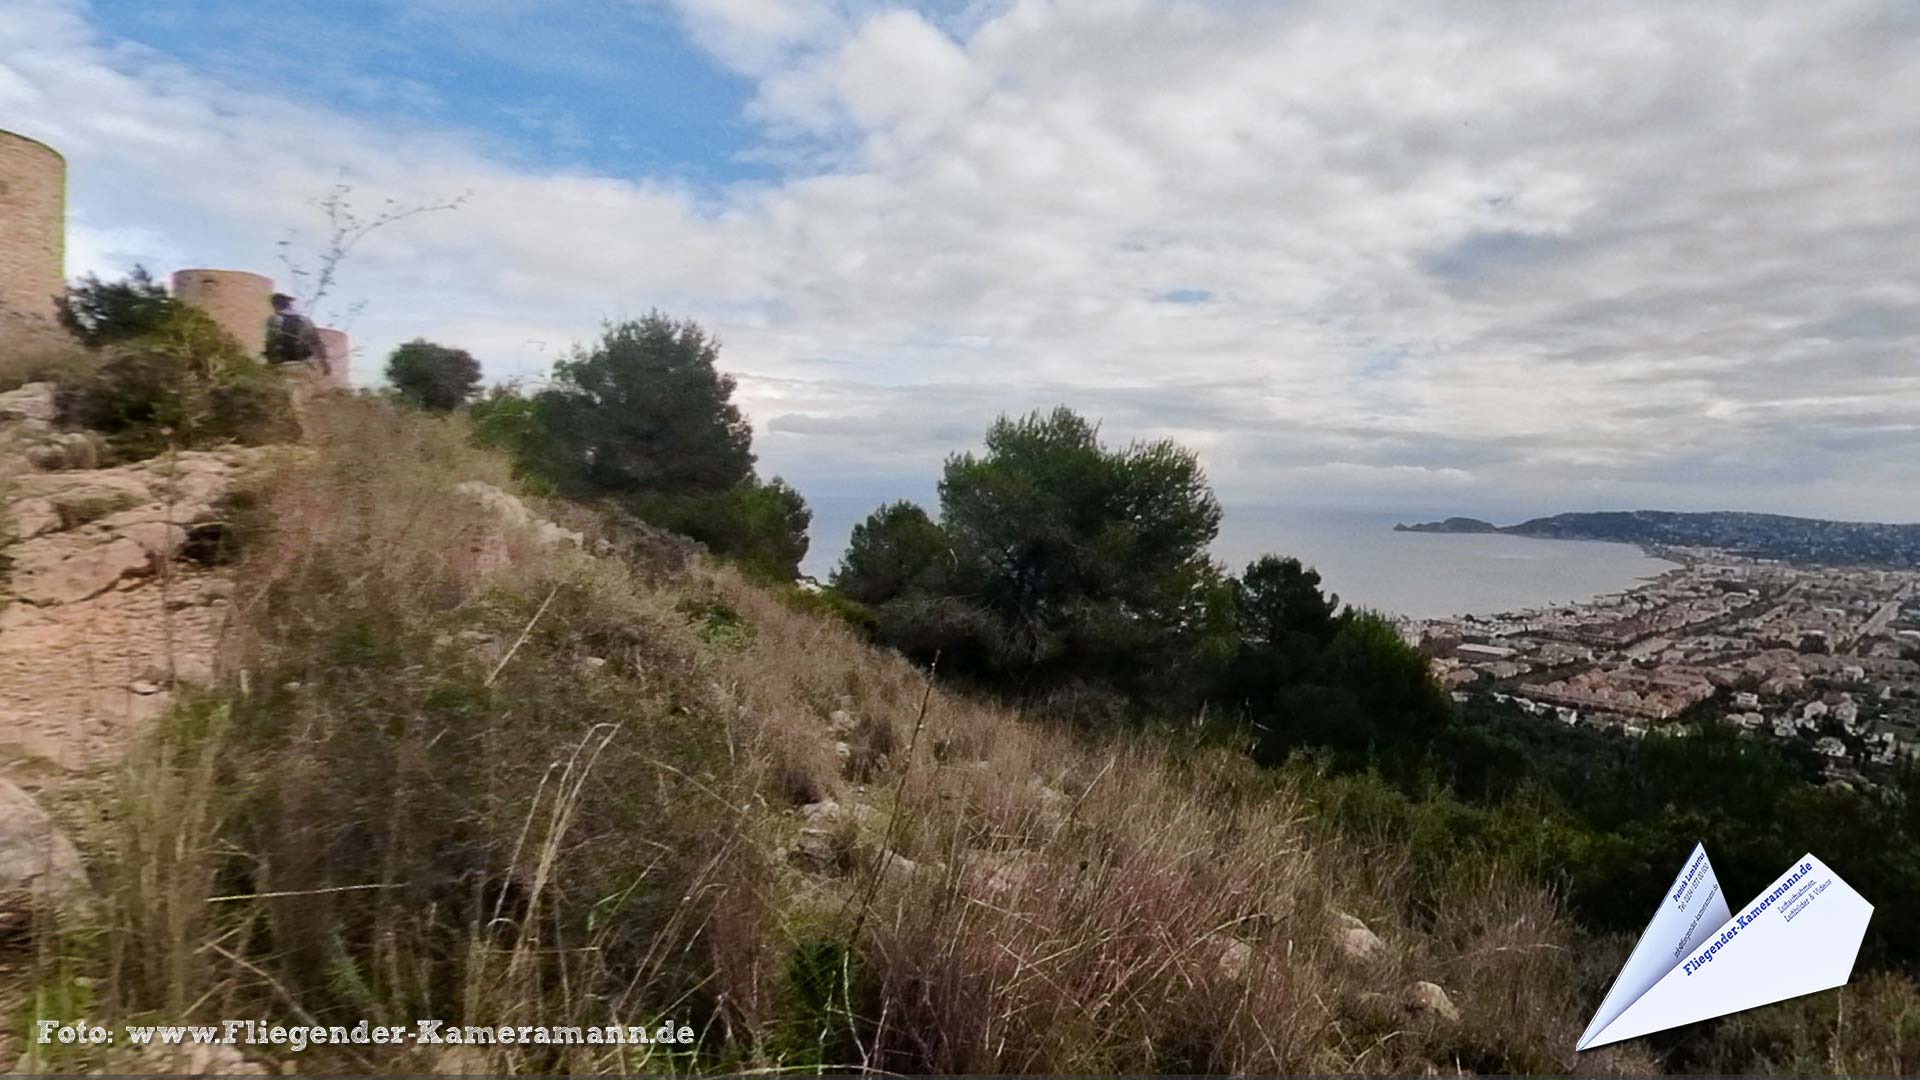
[522,639]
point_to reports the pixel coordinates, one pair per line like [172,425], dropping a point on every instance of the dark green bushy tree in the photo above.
[761,525]
[896,549]
[644,410]
[106,312]
[644,418]
[1056,560]
[503,420]
[433,377]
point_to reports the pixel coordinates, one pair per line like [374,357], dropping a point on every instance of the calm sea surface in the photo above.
[1360,557]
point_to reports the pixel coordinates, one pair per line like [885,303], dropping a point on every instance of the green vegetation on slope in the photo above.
[150,373]
[454,772]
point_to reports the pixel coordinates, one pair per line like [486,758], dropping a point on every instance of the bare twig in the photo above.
[345,230]
[298,892]
[522,639]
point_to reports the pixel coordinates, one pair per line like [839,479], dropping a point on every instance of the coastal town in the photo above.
[1824,658]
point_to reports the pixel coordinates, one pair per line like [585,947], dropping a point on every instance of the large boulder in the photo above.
[34,401]
[39,866]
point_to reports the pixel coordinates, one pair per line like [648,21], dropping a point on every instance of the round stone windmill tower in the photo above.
[339,351]
[238,300]
[33,221]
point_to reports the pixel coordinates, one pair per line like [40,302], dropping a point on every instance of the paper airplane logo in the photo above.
[1696,961]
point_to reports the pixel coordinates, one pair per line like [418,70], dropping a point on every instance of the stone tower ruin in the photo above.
[33,220]
[339,354]
[33,226]
[239,301]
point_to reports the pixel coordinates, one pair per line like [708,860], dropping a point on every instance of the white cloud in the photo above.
[1550,256]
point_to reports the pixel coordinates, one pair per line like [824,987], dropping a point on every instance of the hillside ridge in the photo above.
[1769,536]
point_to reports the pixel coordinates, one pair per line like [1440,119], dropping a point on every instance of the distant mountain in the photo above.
[1764,536]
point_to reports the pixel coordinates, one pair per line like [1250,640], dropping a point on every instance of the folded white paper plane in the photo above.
[1695,961]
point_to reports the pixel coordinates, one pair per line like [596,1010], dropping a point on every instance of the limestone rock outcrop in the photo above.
[106,604]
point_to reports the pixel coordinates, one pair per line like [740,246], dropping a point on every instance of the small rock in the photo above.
[215,588]
[47,457]
[1008,872]
[1348,921]
[841,722]
[475,636]
[1428,999]
[899,869]
[161,539]
[142,686]
[82,450]
[842,750]
[826,815]
[1235,956]
[813,852]
[594,663]
[37,861]
[1360,943]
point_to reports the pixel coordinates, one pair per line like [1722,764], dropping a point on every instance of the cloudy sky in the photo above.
[1502,258]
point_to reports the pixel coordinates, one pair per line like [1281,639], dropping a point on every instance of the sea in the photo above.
[1362,559]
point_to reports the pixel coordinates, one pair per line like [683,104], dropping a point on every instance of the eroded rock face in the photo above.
[496,551]
[98,597]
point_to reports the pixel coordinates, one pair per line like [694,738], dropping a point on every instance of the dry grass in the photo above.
[454,773]
[1075,906]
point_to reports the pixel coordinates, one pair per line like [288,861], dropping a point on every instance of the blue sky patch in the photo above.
[606,86]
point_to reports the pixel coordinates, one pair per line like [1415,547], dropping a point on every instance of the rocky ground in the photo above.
[109,604]
[109,601]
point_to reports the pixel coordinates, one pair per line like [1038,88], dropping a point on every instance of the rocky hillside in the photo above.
[748,819]
[112,602]
[1762,536]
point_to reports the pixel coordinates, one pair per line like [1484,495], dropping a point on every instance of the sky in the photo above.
[1494,258]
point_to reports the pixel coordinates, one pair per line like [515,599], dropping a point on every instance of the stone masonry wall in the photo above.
[33,195]
[239,301]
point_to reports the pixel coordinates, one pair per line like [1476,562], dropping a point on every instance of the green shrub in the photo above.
[108,312]
[433,377]
[645,420]
[1056,560]
[186,383]
[760,526]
